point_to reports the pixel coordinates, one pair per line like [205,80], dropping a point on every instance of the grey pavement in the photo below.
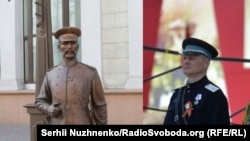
[15,133]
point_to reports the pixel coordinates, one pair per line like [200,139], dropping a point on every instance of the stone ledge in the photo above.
[108,91]
[8,92]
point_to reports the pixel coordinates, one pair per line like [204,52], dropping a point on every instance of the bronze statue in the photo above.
[72,92]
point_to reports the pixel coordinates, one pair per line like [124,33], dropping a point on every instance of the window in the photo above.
[63,13]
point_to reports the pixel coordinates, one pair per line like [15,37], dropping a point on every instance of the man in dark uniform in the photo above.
[200,101]
[72,92]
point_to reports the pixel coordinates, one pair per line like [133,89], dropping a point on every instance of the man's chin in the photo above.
[69,56]
[186,73]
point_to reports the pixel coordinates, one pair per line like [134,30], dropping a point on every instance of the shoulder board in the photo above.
[212,87]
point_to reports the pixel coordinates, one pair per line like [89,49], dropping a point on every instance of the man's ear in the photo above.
[207,63]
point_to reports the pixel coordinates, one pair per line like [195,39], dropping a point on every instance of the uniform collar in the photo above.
[200,83]
[71,63]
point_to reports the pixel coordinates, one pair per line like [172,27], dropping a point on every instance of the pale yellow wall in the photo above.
[124,107]
[11,107]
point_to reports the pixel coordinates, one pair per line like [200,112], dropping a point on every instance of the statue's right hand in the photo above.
[53,110]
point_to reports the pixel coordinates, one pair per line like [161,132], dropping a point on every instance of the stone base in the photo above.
[36,117]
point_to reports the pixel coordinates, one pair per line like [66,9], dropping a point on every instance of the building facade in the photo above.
[111,41]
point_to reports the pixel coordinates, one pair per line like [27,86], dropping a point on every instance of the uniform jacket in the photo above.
[76,88]
[201,102]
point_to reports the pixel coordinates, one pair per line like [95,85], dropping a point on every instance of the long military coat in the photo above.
[76,88]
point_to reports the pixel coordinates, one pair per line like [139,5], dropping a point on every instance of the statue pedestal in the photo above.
[36,117]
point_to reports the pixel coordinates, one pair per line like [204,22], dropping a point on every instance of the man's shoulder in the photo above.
[51,68]
[179,88]
[86,66]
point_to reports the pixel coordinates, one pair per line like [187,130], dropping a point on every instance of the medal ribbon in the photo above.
[189,108]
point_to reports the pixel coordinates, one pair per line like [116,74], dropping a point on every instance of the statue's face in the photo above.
[68,46]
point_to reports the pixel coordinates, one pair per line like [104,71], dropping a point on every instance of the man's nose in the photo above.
[69,45]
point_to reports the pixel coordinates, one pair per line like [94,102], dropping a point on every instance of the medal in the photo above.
[196,102]
[197,99]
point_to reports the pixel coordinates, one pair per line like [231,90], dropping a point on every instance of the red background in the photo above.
[230,25]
